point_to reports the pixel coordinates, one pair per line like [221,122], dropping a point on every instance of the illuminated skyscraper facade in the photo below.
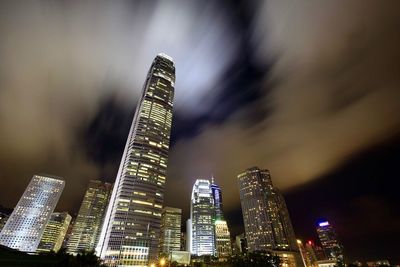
[131,229]
[329,241]
[202,219]
[307,253]
[54,233]
[170,238]
[223,245]
[86,230]
[222,239]
[265,215]
[217,196]
[24,229]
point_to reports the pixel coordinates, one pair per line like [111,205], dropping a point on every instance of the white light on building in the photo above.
[202,219]
[25,227]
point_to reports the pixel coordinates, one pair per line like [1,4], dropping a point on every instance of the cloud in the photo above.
[59,60]
[332,89]
[335,91]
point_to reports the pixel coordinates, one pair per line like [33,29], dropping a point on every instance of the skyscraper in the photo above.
[131,228]
[308,254]
[241,243]
[87,226]
[4,215]
[222,236]
[217,196]
[222,239]
[189,234]
[27,222]
[329,241]
[266,219]
[54,233]
[201,226]
[170,238]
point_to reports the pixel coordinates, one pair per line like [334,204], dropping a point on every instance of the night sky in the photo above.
[309,90]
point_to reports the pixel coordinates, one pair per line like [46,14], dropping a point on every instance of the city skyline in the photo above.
[306,90]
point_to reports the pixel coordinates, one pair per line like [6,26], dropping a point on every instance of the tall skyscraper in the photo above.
[170,238]
[54,233]
[222,239]
[217,196]
[132,225]
[266,218]
[26,224]
[201,226]
[329,241]
[223,245]
[88,224]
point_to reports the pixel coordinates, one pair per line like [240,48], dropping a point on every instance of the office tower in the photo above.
[241,243]
[4,215]
[3,219]
[308,253]
[170,238]
[183,241]
[217,196]
[329,241]
[189,235]
[24,228]
[266,219]
[68,233]
[315,250]
[54,233]
[222,239]
[85,232]
[131,229]
[222,236]
[202,219]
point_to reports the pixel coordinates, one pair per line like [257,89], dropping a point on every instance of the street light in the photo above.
[162,261]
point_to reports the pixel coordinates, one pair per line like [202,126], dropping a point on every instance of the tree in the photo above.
[82,259]
[253,259]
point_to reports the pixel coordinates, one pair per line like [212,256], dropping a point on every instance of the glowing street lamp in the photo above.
[162,261]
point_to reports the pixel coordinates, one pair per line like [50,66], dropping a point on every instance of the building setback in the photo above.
[54,233]
[24,229]
[87,226]
[170,238]
[131,230]
[265,215]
